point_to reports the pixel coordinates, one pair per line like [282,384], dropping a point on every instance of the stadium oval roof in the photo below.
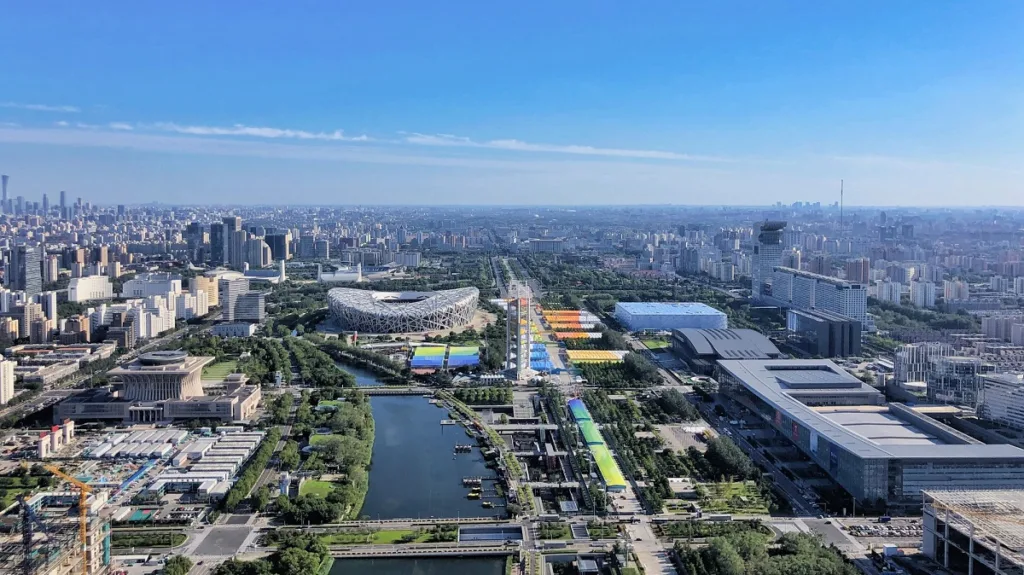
[400,312]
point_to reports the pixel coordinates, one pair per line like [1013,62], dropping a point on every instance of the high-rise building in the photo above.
[889,291]
[767,255]
[48,299]
[999,284]
[24,272]
[210,285]
[805,290]
[30,312]
[218,246]
[922,294]
[912,361]
[3,184]
[236,248]
[956,380]
[280,245]
[1018,286]
[238,303]
[956,290]
[46,204]
[63,204]
[51,270]
[258,253]
[6,375]
[858,270]
[1001,326]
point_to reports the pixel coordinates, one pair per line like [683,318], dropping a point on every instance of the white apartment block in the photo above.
[90,288]
[190,305]
[1004,399]
[6,381]
[922,294]
[956,290]
[912,361]
[889,291]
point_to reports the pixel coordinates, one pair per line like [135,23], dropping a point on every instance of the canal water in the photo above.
[414,472]
[425,566]
[364,378]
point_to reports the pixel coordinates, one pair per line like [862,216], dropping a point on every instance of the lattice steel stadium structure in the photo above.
[402,312]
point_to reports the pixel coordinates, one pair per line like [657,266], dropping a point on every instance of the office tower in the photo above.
[217,243]
[767,255]
[307,246]
[258,253]
[322,249]
[240,304]
[6,376]
[1018,286]
[922,294]
[236,248]
[46,204]
[858,270]
[63,204]
[956,380]
[3,182]
[19,205]
[280,245]
[100,255]
[120,211]
[24,272]
[114,270]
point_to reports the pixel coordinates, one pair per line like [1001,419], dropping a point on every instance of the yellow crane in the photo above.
[83,511]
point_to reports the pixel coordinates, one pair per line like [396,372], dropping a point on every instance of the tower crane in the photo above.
[83,511]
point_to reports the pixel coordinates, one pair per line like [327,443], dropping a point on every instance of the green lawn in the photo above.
[219,370]
[656,344]
[384,537]
[313,487]
[741,497]
[320,438]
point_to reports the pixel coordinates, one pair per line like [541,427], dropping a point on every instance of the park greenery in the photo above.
[297,554]
[553,530]
[645,458]
[890,316]
[669,406]
[484,395]
[253,469]
[692,529]
[316,367]
[344,452]
[750,553]
[386,369]
[634,370]
[266,356]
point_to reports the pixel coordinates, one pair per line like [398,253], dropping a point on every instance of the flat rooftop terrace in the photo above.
[881,427]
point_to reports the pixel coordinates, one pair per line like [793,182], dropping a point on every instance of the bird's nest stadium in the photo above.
[402,312]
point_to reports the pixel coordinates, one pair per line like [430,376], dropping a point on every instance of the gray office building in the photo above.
[823,333]
[878,452]
[25,269]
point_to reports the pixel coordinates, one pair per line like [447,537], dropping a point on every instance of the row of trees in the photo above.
[484,395]
[389,370]
[240,490]
[315,366]
[669,406]
[889,315]
[748,553]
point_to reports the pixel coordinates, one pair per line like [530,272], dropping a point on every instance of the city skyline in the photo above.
[733,104]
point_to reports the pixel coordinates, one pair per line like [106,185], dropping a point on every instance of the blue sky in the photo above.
[912,103]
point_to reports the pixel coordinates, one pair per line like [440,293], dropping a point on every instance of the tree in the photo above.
[261,498]
[294,561]
[290,456]
[177,565]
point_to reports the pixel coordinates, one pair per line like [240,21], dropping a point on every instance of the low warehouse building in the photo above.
[650,316]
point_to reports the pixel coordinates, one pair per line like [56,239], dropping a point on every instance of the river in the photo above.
[425,566]
[413,473]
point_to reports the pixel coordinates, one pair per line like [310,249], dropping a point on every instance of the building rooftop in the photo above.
[869,430]
[668,308]
[729,343]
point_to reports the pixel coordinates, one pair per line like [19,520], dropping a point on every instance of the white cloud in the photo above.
[120,126]
[61,124]
[258,132]
[41,107]
[520,146]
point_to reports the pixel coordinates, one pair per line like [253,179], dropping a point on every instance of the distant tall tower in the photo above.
[63,204]
[840,204]
[517,333]
[3,182]
[767,255]
[46,204]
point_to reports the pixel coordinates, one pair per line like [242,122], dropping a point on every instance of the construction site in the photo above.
[57,532]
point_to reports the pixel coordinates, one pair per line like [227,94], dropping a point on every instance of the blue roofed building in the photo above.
[667,316]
